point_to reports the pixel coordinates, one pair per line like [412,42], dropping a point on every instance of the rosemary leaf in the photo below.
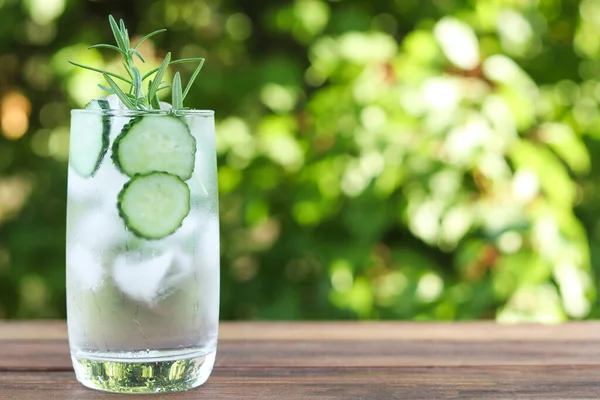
[127,69]
[137,53]
[117,33]
[180,61]
[137,83]
[120,94]
[125,34]
[158,78]
[107,89]
[148,36]
[177,96]
[193,78]
[106,46]
[155,103]
[101,71]
[185,60]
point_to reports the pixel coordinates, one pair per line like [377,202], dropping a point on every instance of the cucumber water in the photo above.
[143,255]
[142,229]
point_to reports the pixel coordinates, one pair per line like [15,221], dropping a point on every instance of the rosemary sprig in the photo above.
[134,97]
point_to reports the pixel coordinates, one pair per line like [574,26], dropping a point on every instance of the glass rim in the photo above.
[135,113]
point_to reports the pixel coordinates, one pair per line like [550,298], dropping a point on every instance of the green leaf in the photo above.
[154,102]
[127,69]
[143,101]
[137,83]
[193,78]
[125,34]
[180,61]
[106,46]
[186,60]
[148,36]
[177,96]
[137,53]
[101,71]
[120,94]
[107,89]
[157,79]
[117,33]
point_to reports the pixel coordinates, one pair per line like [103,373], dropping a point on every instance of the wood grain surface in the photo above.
[371,361]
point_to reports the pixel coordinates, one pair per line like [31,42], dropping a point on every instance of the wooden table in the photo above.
[371,361]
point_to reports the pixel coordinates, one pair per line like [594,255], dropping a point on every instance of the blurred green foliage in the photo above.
[400,159]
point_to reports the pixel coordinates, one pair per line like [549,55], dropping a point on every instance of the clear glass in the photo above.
[142,312]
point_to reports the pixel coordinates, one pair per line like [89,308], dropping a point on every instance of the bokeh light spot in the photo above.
[459,42]
[45,11]
[278,98]
[14,192]
[341,276]
[429,288]
[510,242]
[239,26]
[14,110]
[34,294]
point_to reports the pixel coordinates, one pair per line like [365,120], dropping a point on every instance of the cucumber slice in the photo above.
[154,205]
[155,143]
[89,139]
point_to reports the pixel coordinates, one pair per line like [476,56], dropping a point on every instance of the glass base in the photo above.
[143,372]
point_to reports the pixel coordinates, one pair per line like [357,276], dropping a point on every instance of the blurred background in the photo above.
[391,159]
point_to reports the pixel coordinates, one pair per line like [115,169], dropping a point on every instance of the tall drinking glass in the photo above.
[142,249]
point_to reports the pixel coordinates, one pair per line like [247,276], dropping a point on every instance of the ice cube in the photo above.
[181,269]
[114,102]
[146,279]
[102,189]
[99,231]
[108,183]
[84,267]
[185,238]
[165,106]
